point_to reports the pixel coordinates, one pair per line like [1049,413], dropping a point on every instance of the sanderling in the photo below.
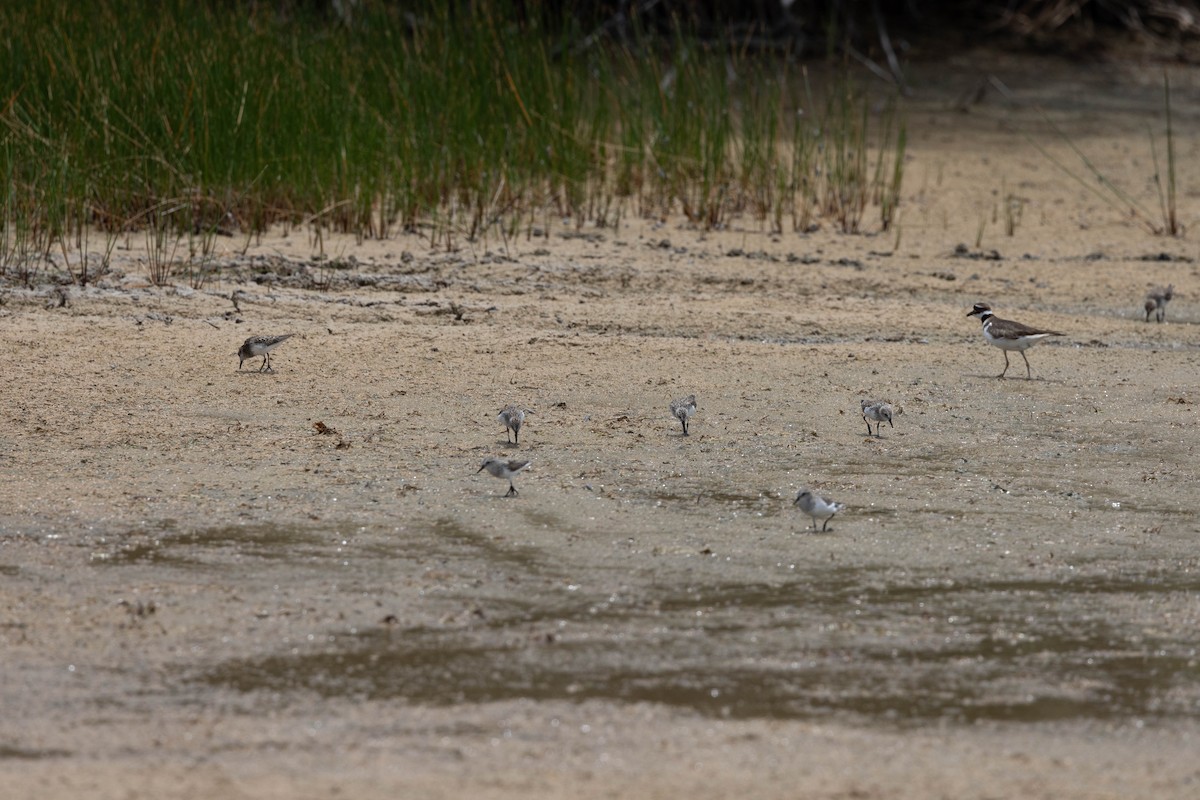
[683,409]
[257,346]
[1008,335]
[503,469]
[511,418]
[816,506]
[878,410]
[1156,301]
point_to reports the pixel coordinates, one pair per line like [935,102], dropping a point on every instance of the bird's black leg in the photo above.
[1001,375]
[1028,372]
[512,490]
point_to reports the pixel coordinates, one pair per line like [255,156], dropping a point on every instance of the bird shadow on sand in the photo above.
[1006,379]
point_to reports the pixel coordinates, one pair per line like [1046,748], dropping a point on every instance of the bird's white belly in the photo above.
[1023,343]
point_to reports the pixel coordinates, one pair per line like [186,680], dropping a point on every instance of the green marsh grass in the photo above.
[844,161]
[889,165]
[178,118]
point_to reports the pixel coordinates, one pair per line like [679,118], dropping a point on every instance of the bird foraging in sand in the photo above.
[257,346]
[512,417]
[505,470]
[816,507]
[879,411]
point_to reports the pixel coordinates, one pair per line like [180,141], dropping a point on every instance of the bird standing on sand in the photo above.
[1156,301]
[511,417]
[683,409]
[1008,335]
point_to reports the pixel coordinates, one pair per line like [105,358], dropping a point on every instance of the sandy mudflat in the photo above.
[201,596]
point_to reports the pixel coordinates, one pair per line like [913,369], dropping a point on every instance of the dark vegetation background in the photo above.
[822,27]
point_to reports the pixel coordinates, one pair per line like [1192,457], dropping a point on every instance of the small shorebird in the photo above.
[816,506]
[257,346]
[1156,301]
[683,409]
[511,418]
[504,470]
[1008,335]
[1151,306]
[878,410]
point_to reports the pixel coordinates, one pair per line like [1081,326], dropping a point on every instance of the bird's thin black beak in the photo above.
[479,470]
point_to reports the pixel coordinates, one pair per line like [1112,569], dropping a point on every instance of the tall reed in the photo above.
[112,114]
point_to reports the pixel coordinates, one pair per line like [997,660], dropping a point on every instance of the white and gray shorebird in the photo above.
[505,470]
[683,409]
[512,417]
[878,411]
[1156,301]
[1008,335]
[257,346]
[816,507]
